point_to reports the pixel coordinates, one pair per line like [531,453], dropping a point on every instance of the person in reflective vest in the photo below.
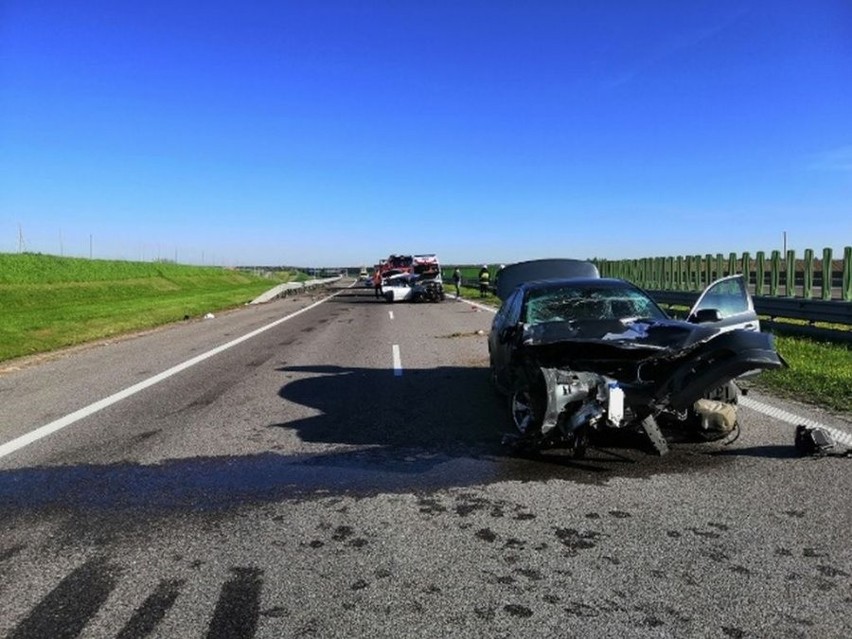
[484,279]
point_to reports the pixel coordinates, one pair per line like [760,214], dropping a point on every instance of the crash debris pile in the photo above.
[821,441]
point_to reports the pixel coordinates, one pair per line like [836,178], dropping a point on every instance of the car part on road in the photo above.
[821,441]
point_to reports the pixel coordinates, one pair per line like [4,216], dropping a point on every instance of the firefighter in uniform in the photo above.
[484,278]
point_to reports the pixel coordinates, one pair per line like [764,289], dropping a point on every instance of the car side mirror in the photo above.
[705,315]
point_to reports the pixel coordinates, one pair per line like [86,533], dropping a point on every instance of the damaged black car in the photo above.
[577,353]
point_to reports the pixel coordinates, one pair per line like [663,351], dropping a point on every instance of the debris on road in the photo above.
[821,441]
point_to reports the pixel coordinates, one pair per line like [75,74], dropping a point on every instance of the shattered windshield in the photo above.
[570,303]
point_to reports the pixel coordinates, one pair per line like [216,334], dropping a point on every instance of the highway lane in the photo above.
[294,485]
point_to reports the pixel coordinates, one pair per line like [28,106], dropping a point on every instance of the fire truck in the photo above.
[411,278]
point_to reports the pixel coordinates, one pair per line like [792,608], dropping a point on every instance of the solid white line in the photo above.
[62,422]
[484,307]
[790,418]
[397,362]
[390,314]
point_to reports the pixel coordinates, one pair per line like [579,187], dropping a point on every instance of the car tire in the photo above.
[522,410]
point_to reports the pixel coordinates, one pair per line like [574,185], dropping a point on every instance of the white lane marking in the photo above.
[790,418]
[390,314]
[484,307]
[397,361]
[43,431]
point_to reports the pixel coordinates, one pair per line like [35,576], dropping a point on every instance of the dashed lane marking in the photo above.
[397,361]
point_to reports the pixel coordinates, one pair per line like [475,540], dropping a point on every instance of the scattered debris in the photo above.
[819,441]
[209,316]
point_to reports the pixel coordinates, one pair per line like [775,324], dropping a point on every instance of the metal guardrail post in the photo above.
[759,272]
[826,273]
[808,279]
[790,274]
[774,273]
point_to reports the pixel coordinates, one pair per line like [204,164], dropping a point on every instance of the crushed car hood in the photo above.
[651,335]
[681,360]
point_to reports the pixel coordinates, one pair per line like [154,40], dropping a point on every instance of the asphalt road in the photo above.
[313,480]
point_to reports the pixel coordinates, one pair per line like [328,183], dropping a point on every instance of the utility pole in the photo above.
[785,242]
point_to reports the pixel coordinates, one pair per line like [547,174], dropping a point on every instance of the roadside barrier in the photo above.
[291,287]
[812,311]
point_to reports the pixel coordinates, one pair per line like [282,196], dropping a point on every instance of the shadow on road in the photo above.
[767,452]
[444,408]
[426,430]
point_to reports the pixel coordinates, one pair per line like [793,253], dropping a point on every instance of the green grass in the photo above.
[819,373]
[49,302]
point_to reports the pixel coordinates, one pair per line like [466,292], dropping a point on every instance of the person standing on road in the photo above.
[484,277]
[377,282]
[457,281]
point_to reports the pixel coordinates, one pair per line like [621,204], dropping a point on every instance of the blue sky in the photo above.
[335,133]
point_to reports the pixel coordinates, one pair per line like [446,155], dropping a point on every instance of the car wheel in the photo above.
[523,409]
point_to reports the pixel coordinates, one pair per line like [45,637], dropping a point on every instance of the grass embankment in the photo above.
[819,373]
[49,302]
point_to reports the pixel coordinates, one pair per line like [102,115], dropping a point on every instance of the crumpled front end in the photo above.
[571,387]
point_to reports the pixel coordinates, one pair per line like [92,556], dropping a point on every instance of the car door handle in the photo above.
[750,326]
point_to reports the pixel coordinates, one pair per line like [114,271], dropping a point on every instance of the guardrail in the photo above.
[291,287]
[775,275]
[775,308]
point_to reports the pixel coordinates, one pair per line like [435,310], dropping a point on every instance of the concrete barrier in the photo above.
[291,287]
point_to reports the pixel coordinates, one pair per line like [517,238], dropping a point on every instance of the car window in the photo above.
[728,296]
[571,303]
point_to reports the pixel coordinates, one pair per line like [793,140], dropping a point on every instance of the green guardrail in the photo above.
[775,275]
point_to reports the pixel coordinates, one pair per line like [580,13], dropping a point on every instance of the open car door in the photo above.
[727,305]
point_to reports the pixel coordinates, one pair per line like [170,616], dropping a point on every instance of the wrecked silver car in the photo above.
[577,353]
